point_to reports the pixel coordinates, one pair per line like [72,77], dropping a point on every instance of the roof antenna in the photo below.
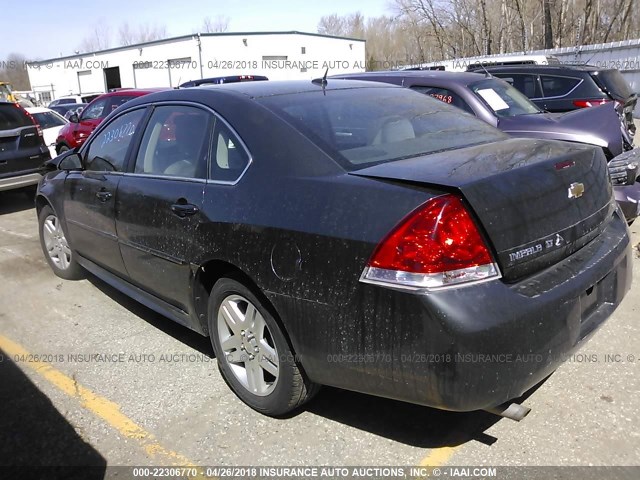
[488,75]
[322,81]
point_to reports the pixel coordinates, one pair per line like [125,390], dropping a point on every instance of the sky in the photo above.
[49,28]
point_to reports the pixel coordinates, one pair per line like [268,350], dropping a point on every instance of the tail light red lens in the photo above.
[437,245]
[589,103]
[38,128]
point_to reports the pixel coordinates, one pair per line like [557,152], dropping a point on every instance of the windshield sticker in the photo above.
[442,98]
[493,99]
[125,130]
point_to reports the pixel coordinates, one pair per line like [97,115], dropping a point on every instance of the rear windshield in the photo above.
[12,117]
[614,83]
[364,126]
[49,120]
[503,99]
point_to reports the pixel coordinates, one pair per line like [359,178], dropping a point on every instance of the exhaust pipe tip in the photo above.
[513,411]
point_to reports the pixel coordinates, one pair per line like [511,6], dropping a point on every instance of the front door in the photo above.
[90,195]
[89,120]
[159,202]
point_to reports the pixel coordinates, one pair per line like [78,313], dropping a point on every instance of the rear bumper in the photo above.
[20,181]
[475,347]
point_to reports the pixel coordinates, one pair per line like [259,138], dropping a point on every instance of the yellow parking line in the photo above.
[105,409]
[438,457]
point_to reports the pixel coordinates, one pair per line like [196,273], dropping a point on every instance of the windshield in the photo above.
[49,120]
[503,99]
[613,82]
[364,126]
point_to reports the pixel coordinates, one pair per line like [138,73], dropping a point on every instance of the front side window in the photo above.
[176,142]
[527,84]
[502,98]
[96,110]
[108,150]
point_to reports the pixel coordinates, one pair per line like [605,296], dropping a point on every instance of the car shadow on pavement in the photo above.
[407,423]
[402,422]
[15,201]
[181,333]
[37,441]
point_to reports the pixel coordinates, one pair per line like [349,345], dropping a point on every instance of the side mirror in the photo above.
[73,118]
[70,162]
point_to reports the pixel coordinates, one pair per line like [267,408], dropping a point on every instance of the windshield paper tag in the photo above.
[493,99]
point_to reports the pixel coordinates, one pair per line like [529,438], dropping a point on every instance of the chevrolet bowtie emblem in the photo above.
[576,190]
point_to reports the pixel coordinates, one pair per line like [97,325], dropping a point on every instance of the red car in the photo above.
[80,127]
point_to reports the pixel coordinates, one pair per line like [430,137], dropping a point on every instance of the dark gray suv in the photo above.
[22,148]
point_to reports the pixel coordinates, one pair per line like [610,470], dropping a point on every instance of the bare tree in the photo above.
[219,24]
[141,34]
[15,72]
[98,39]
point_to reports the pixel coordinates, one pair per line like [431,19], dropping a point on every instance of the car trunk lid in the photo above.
[594,126]
[538,201]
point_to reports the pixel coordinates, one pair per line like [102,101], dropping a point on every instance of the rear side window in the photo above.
[118,100]
[360,127]
[12,117]
[444,95]
[65,100]
[108,150]
[176,143]
[553,86]
[230,159]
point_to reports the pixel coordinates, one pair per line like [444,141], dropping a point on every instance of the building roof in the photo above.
[187,37]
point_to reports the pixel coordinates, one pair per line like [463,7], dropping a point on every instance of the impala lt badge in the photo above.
[576,190]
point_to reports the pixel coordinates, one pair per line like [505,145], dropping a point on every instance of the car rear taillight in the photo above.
[437,245]
[38,128]
[589,103]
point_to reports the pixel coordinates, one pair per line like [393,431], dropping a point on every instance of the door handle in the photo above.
[184,209]
[103,195]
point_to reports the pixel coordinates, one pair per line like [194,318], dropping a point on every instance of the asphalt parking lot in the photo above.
[89,376]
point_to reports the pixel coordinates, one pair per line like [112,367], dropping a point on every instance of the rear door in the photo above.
[159,202]
[22,149]
[90,195]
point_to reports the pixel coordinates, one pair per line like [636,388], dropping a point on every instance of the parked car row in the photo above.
[346,233]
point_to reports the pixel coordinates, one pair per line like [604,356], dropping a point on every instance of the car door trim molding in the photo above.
[153,251]
[93,229]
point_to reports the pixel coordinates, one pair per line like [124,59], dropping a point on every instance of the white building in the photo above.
[170,62]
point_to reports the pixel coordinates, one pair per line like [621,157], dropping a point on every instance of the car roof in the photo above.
[133,91]
[287,87]
[462,78]
[553,68]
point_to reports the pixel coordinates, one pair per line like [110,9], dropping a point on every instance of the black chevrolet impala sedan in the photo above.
[344,233]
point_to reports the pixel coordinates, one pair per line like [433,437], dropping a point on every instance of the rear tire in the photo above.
[57,251]
[253,354]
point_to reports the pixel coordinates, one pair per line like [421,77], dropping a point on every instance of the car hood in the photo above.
[598,126]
